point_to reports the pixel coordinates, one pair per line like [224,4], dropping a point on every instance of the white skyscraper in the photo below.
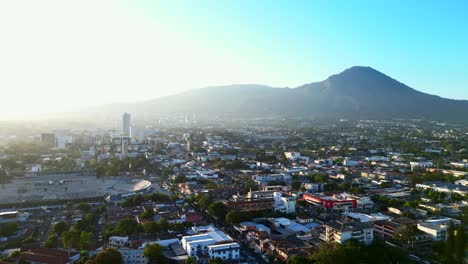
[126,125]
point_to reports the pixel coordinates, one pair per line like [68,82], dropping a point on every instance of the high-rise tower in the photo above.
[126,125]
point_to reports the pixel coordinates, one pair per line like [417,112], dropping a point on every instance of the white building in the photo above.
[291,155]
[421,164]
[61,141]
[36,168]
[199,243]
[265,179]
[437,232]
[459,164]
[342,231]
[132,256]
[117,241]
[284,203]
[228,251]
[207,174]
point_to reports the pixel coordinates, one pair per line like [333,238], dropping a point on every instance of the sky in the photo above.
[61,55]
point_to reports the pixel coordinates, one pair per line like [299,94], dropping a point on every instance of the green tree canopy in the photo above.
[108,256]
[154,253]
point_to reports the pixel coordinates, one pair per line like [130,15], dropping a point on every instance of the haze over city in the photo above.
[59,55]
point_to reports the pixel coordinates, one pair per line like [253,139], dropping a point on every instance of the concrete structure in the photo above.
[132,256]
[126,125]
[227,251]
[266,179]
[62,140]
[437,232]
[284,203]
[292,155]
[199,243]
[48,139]
[421,164]
[118,241]
[13,216]
[386,229]
[443,187]
[342,231]
[339,202]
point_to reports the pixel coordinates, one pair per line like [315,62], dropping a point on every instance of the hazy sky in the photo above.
[58,55]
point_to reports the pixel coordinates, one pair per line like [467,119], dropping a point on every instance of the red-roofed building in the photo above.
[50,256]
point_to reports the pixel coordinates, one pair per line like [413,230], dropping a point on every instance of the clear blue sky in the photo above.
[421,43]
[56,55]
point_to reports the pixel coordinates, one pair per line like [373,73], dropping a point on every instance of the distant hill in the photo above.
[356,93]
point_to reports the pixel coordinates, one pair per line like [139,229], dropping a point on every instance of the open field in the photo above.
[62,187]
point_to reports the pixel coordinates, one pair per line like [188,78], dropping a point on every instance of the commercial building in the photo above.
[48,139]
[126,125]
[339,202]
[266,179]
[437,232]
[443,187]
[62,139]
[227,251]
[200,244]
[386,229]
[118,241]
[13,216]
[340,232]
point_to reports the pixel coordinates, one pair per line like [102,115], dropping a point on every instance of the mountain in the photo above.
[356,93]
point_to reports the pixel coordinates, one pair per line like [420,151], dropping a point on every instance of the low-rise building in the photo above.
[225,251]
[437,232]
[340,232]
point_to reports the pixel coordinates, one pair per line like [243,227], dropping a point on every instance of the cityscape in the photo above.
[254,194]
[233,132]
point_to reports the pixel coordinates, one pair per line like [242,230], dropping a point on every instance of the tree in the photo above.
[329,253]
[86,240]
[218,210]
[50,242]
[59,228]
[71,239]
[8,229]
[154,253]
[3,176]
[180,179]
[190,260]
[450,240]
[84,207]
[150,227]
[163,224]
[108,256]
[295,185]
[216,261]
[126,227]
[460,243]
[296,259]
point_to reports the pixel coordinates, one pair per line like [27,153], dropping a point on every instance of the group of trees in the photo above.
[236,164]
[125,227]
[113,167]
[436,197]
[80,235]
[106,256]
[453,249]
[8,229]
[154,253]
[136,200]
[129,226]
[352,252]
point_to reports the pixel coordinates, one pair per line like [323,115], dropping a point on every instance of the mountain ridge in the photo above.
[358,92]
